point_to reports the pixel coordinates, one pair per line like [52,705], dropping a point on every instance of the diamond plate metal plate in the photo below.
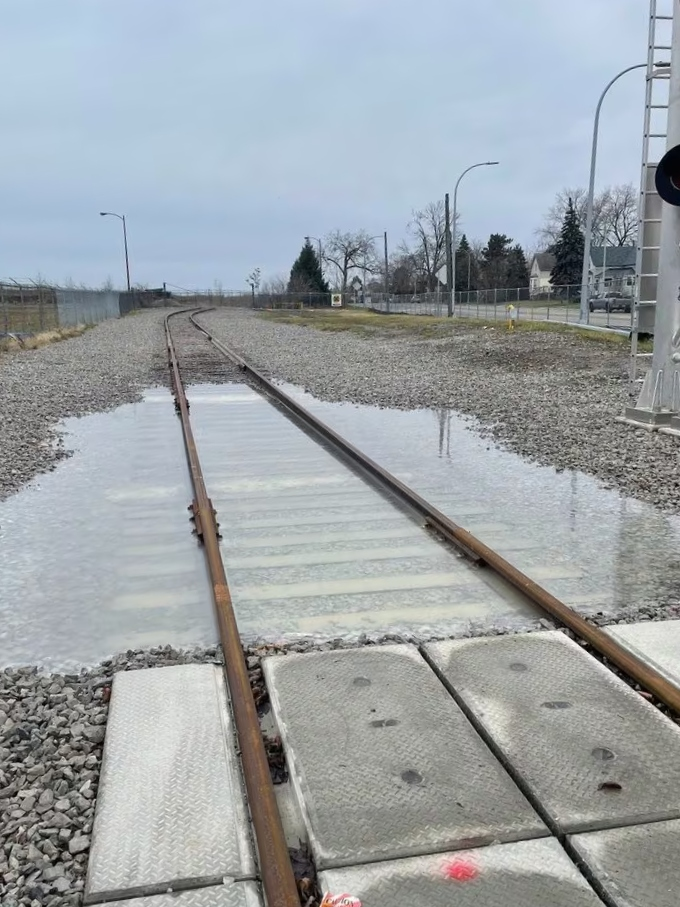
[592,751]
[232,894]
[525,874]
[170,803]
[656,642]
[637,866]
[383,761]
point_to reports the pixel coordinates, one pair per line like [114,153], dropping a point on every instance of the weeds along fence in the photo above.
[27,310]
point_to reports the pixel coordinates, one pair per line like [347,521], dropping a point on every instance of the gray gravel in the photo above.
[551,397]
[103,368]
[51,733]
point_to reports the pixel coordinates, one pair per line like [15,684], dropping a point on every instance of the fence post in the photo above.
[3,302]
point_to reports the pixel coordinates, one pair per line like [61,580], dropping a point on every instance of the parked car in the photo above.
[609,304]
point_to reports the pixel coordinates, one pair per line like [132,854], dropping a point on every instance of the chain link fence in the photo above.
[561,305]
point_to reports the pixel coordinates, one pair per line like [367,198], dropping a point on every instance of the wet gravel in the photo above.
[551,397]
[104,367]
[51,735]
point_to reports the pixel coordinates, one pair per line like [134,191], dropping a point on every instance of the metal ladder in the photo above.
[649,207]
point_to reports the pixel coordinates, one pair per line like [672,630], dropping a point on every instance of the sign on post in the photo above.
[336,299]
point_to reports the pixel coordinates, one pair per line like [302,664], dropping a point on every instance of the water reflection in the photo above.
[588,545]
[98,556]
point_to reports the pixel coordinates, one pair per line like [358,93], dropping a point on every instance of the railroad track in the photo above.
[202,352]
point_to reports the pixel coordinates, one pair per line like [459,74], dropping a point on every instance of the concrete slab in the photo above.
[591,751]
[231,894]
[655,642]
[384,763]
[636,866]
[525,874]
[170,806]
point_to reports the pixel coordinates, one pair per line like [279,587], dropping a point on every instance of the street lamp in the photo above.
[584,312]
[127,261]
[319,242]
[383,236]
[452,288]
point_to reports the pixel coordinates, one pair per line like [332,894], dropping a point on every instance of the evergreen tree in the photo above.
[495,261]
[518,272]
[306,275]
[467,272]
[568,251]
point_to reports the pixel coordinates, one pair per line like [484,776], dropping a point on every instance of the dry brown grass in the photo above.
[44,338]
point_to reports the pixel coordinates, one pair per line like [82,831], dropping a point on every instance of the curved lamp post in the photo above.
[121,217]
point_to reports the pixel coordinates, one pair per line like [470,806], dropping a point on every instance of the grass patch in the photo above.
[360,321]
[44,338]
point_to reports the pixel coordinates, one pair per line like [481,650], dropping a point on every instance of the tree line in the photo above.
[417,265]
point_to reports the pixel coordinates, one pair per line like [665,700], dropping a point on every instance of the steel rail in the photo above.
[648,678]
[275,867]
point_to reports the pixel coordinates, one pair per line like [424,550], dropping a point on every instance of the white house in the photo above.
[539,274]
[612,270]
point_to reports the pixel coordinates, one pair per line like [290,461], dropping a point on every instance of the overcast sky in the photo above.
[226,130]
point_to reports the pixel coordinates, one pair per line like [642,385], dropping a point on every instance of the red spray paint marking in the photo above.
[461,870]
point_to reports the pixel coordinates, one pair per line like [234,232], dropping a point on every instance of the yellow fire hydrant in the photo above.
[512,316]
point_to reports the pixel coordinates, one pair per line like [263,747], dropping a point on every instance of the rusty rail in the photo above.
[482,554]
[275,867]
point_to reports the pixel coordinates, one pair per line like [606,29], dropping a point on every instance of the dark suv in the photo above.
[609,304]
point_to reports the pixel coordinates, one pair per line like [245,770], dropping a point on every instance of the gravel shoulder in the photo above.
[551,397]
[106,366]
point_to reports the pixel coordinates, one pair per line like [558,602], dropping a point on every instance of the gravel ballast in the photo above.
[52,730]
[551,397]
[104,367]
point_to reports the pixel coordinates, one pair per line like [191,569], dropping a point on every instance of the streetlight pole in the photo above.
[319,242]
[453,228]
[387,272]
[121,217]
[584,310]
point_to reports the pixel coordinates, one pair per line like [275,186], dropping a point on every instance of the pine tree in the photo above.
[467,272]
[518,272]
[495,261]
[306,275]
[568,251]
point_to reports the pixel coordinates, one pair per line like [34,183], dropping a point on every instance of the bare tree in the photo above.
[428,229]
[348,252]
[622,214]
[275,286]
[549,231]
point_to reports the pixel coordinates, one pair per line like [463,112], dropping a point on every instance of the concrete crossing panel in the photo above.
[592,752]
[636,866]
[384,763]
[524,874]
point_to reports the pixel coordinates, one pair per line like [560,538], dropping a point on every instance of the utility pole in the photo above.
[449,259]
[387,273]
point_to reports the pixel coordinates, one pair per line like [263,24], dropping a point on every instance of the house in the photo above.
[539,274]
[612,270]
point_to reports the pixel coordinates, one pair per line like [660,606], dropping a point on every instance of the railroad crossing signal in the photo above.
[668,176]
[336,299]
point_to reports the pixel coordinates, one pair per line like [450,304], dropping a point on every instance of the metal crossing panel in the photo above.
[170,805]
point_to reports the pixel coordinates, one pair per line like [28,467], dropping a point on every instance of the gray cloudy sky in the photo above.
[226,130]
